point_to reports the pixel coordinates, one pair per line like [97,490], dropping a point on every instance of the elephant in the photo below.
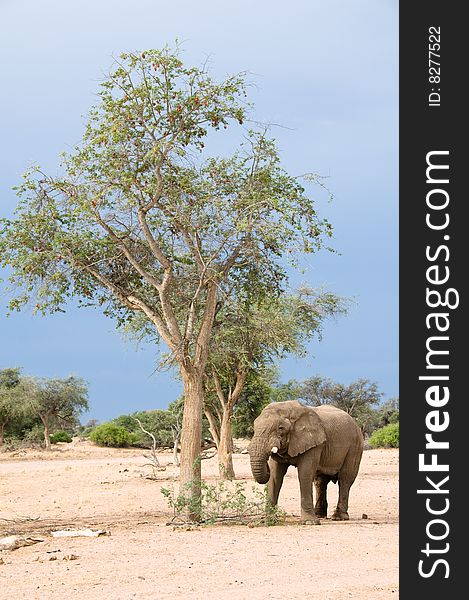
[324,443]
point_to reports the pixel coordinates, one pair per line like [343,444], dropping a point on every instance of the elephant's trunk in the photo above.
[259,456]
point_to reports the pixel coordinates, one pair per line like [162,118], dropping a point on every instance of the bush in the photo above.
[386,437]
[34,436]
[110,434]
[222,502]
[11,443]
[60,436]
[157,422]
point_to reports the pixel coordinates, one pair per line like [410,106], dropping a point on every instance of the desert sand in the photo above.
[79,485]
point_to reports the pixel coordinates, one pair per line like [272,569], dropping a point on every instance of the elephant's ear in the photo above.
[306,433]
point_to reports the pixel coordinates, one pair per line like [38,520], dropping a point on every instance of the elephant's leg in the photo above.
[320,485]
[346,477]
[307,467]
[277,473]
[341,511]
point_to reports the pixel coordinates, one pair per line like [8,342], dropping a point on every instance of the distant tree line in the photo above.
[40,410]
[361,399]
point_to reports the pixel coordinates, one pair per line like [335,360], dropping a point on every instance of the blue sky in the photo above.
[326,71]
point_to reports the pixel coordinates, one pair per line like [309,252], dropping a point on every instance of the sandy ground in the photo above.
[79,485]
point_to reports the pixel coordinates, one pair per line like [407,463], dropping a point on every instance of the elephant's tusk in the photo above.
[274,450]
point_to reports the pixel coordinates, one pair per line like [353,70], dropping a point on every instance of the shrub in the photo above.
[11,443]
[223,502]
[60,436]
[386,437]
[34,436]
[110,434]
[158,422]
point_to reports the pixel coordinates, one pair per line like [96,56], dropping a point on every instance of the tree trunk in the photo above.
[45,422]
[175,449]
[191,441]
[2,431]
[225,446]
[190,472]
[47,437]
[213,426]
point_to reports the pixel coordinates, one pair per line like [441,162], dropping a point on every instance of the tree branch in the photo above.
[134,303]
[218,389]
[233,397]
[128,254]
[202,342]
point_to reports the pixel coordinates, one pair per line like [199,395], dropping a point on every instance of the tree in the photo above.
[9,378]
[388,412]
[141,222]
[249,335]
[11,398]
[356,399]
[57,401]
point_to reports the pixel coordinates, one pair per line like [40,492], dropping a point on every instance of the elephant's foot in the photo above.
[321,514]
[309,519]
[340,516]
[311,522]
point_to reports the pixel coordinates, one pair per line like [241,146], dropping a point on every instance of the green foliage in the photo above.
[9,378]
[10,399]
[286,391]
[60,399]
[223,502]
[163,424]
[252,331]
[110,434]
[157,422]
[85,430]
[388,412]
[385,437]
[16,415]
[34,436]
[61,436]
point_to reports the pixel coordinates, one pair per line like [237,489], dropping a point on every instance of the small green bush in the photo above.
[110,434]
[60,436]
[386,437]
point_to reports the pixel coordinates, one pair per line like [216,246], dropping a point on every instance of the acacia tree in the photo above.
[249,335]
[56,401]
[142,221]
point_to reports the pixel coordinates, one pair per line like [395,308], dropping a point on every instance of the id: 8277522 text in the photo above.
[434,74]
